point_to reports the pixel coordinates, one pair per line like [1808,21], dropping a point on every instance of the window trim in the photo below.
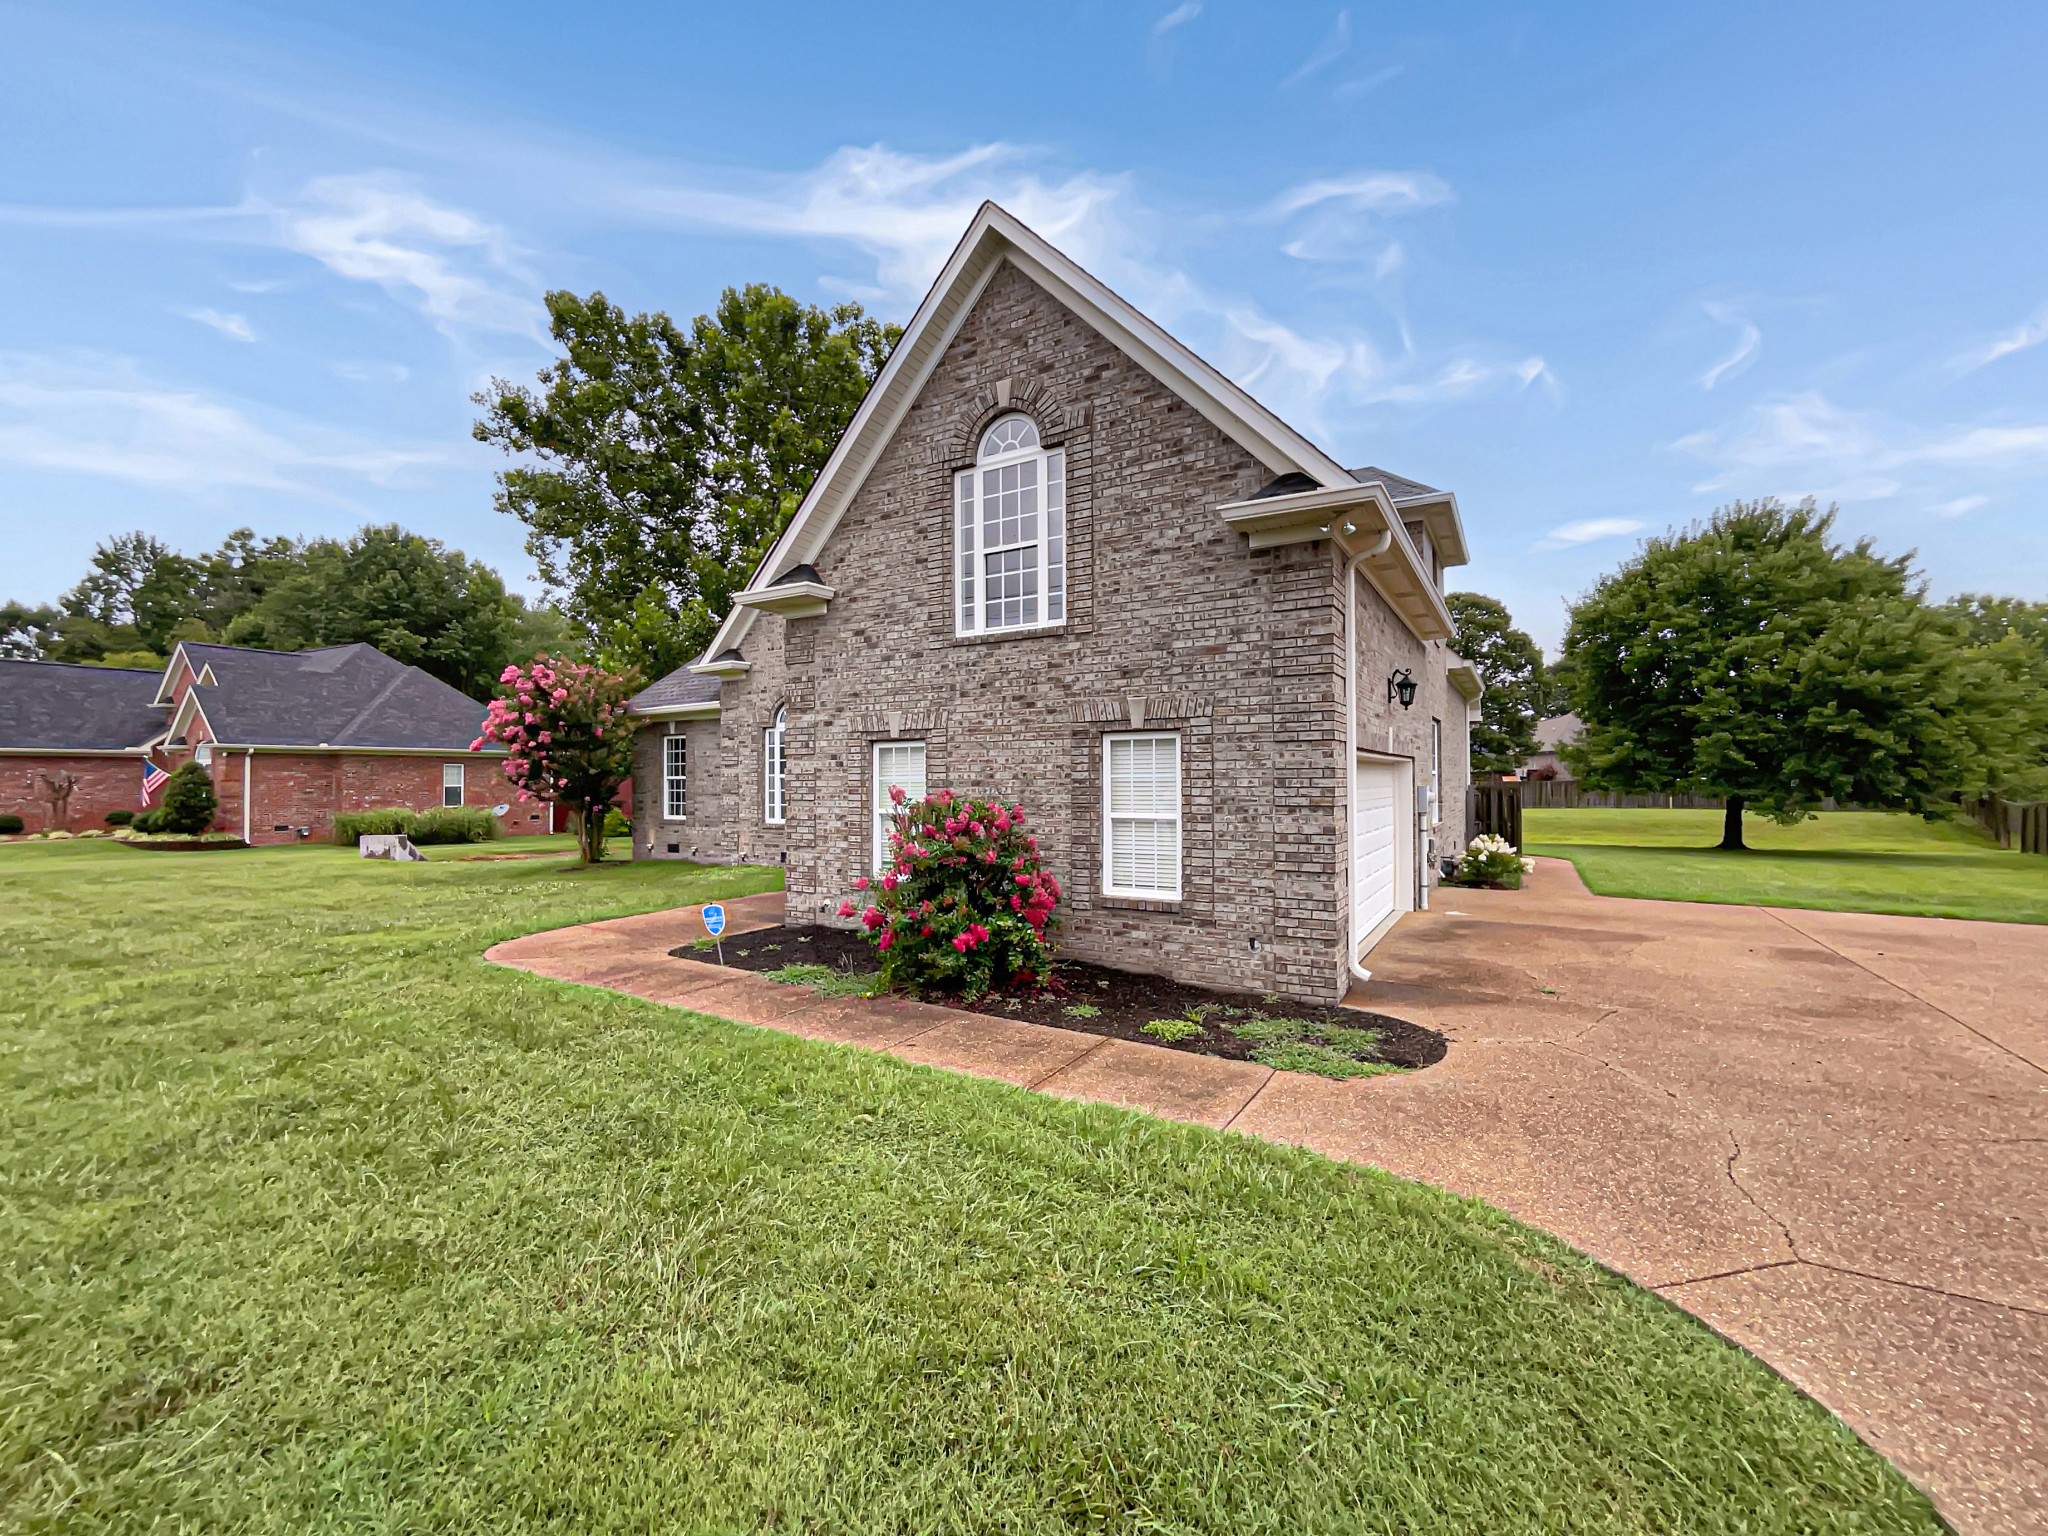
[970,619]
[458,786]
[1180,819]
[775,770]
[876,796]
[1436,771]
[675,776]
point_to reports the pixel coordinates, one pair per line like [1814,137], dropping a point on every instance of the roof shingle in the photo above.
[64,707]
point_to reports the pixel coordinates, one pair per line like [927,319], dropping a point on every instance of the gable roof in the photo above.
[61,707]
[993,237]
[337,696]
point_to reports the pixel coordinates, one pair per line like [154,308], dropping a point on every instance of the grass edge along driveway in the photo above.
[1840,861]
[315,1221]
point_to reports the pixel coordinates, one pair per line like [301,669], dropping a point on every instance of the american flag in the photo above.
[152,780]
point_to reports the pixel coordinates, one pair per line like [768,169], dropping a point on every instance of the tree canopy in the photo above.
[409,596]
[1755,659]
[659,463]
[1510,664]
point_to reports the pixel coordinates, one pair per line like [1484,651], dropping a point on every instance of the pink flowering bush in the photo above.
[564,724]
[962,903]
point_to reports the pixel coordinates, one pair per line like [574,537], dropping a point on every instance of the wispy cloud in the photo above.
[379,229]
[2030,334]
[1962,506]
[234,326]
[1177,18]
[1367,191]
[104,418]
[1588,531]
[1335,44]
[1805,445]
[1747,344]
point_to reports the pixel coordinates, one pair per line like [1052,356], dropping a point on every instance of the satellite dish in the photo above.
[499,810]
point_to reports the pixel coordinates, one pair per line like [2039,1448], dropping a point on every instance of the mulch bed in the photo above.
[171,845]
[1123,1001]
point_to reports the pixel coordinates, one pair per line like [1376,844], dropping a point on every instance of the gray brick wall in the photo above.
[1169,614]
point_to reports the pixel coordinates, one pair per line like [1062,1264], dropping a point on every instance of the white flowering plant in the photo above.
[1492,862]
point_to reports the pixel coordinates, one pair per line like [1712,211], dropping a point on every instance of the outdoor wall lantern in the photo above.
[1401,686]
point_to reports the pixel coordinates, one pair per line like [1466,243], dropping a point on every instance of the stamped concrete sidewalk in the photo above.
[1824,1134]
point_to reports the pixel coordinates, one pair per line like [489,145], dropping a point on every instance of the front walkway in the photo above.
[1821,1133]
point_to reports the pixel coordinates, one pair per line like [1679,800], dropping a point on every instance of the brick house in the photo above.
[1058,558]
[290,737]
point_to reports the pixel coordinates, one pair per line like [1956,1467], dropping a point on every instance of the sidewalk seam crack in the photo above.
[1248,1103]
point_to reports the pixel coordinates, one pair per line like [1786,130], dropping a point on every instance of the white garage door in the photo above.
[1373,864]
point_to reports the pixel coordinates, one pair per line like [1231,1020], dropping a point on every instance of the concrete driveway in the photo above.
[1825,1134]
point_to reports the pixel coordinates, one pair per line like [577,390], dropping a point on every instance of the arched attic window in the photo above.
[1010,532]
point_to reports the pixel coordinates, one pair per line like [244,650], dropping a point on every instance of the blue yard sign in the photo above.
[714,919]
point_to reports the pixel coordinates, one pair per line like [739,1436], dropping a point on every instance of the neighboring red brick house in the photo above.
[88,722]
[290,737]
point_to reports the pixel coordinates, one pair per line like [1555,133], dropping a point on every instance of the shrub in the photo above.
[149,821]
[1492,862]
[1171,1030]
[120,818]
[963,904]
[453,824]
[568,739]
[351,827]
[615,823]
[10,824]
[189,801]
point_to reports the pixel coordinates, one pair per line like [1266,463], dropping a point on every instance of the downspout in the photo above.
[248,756]
[1347,780]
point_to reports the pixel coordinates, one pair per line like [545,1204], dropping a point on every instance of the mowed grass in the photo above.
[1840,861]
[312,1220]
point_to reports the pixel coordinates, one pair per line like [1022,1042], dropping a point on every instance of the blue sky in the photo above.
[1596,268]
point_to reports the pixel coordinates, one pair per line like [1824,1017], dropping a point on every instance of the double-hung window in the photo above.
[1436,772]
[675,776]
[898,765]
[1010,533]
[1141,820]
[775,770]
[451,783]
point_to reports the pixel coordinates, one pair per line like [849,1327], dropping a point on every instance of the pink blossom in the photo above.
[896,795]
[860,882]
[873,918]
[960,942]
[888,882]
[885,940]
[846,908]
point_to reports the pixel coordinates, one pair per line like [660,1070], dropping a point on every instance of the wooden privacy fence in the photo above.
[1565,794]
[1497,808]
[2016,824]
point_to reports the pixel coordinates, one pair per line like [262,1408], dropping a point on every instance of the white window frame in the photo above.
[675,776]
[1178,819]
[447,784]
[1048,561]
[202,754]
[881,808]
[775,770]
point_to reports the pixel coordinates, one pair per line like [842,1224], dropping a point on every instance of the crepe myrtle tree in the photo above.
[962,903]
[564,725]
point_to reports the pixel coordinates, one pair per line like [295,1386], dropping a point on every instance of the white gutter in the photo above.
[1348,771]
[248,757]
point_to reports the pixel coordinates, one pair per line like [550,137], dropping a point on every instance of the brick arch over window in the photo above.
[1054,420]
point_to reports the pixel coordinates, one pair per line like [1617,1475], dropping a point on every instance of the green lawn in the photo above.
[310,1220]
[1841,861]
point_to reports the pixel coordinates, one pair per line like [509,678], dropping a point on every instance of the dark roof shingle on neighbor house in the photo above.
[337,696]
[1400,487]
[62,707]
[680,687]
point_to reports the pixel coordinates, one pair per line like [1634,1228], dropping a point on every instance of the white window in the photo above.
[898,765]
[675,776]
[1010,533]
[203,754]
[1141,816]
[451,783]
[774,771]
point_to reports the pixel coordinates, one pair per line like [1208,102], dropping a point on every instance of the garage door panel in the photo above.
[1373,843]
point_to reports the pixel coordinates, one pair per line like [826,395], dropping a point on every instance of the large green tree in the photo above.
[411,597]
[1756,659]
[1511,666]
[2003,719]
[659,462]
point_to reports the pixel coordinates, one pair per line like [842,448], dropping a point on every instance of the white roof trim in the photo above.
[994,236]
[706,710]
